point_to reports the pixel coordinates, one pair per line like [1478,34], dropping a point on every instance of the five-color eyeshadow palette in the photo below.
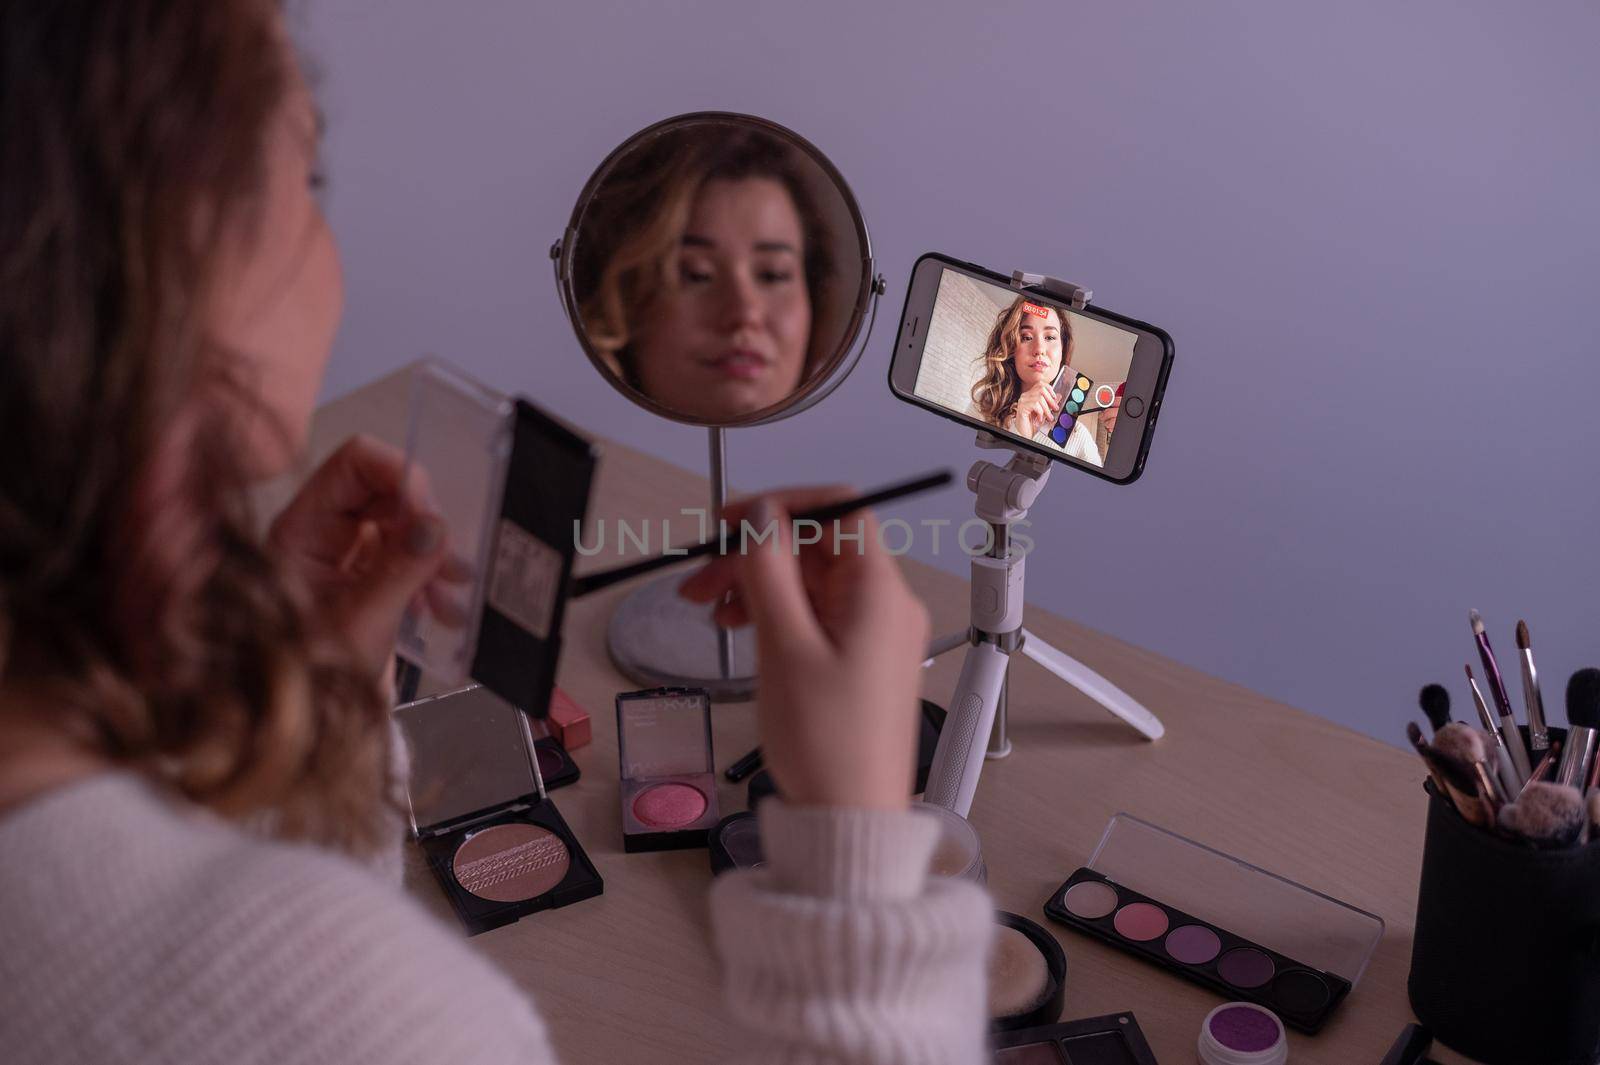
[1202,952]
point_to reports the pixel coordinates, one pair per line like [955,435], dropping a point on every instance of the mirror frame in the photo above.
[825,377]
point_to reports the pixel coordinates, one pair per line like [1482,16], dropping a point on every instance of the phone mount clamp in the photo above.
[976,727]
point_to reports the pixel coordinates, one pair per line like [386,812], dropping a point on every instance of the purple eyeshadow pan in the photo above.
[549,762]
[1193,944]
[1246,967]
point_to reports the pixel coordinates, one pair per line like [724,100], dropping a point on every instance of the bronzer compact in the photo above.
[669,783]
[1220,922]
[492,836]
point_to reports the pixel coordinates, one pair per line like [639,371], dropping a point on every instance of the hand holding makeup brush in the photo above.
[841,639]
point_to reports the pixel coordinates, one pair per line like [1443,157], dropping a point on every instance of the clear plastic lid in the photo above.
[458,441]
[664,733]
[470,752]
[1279,914]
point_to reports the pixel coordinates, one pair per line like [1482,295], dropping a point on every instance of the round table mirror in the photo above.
[717,272]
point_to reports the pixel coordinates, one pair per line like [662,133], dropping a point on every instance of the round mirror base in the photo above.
[659,639]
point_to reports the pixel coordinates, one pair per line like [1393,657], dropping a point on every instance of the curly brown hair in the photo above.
[997,391]
[135,592]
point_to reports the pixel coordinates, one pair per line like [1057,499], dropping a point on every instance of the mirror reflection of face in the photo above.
[1038,354]
[729,335]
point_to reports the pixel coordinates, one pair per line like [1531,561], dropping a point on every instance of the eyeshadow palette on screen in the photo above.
[1207,955]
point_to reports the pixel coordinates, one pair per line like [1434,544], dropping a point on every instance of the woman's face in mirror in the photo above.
[729,334]
[1038,354]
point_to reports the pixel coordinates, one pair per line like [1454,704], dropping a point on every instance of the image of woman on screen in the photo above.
[1029,348]
[701,269]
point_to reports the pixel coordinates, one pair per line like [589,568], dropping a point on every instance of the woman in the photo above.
[701,269]
[195,794]
[1029,347]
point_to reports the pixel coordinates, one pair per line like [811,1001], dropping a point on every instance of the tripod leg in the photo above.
[958,759]
[940,644]
[1093,685]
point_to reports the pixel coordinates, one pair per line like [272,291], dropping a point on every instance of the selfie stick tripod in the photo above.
[976,725]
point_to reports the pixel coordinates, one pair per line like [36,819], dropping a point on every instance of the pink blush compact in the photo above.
[669,782]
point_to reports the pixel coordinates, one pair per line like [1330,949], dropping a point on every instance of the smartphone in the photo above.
[973,348]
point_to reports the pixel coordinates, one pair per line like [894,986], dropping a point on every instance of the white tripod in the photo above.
[976,724]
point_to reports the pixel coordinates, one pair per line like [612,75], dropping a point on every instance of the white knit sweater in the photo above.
[138,929]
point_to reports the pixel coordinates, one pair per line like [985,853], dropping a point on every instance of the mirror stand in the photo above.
[658,639]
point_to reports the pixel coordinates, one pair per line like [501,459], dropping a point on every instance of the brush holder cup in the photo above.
[1505,964]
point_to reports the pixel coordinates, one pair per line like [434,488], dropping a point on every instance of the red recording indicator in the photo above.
[1035,310]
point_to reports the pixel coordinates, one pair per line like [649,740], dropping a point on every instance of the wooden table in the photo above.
[630,976]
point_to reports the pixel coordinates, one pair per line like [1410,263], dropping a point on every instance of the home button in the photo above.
[1133,406]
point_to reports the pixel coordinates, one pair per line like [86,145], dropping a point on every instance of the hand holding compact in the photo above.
[363,542]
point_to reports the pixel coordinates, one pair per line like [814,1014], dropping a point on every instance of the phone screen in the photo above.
[1026,366]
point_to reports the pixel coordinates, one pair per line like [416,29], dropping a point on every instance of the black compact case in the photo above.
[1505,960]
[473,771]
[1217,921]
[513,487]
[1115,1039]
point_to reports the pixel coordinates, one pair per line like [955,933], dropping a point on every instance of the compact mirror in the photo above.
[717,272]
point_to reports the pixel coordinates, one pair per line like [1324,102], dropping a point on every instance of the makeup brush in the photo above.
[1414,734]
[1546,764]
[1538,732]
[1435,701]
[1548,816]
[1491,727]
[1594,811]
[1458,749]
[1511,735]
[1583,718]
[593,582]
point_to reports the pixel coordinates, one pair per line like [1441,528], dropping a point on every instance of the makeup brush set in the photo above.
[1505,958]
[1534,785]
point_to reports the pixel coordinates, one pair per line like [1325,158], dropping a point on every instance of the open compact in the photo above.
[669,782]
[1115,1039]
[492,836]
[1219,922]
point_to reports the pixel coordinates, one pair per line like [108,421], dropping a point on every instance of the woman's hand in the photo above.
[841,639]
[365,544]
[1036,409]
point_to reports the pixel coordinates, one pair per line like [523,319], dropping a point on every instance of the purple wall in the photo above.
[1370,227]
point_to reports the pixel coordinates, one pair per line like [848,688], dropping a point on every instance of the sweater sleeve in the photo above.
[844,950]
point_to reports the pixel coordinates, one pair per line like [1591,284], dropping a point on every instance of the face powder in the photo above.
[511,863]
[958,853]
[1018,978]
[670,805]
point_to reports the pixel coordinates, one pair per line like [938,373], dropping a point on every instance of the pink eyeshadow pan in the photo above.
[671,805]
[1140,922]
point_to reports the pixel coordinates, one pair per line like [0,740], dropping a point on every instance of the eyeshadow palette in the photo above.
[1077,393]
[1240,931]
[1228,964]
[1115,1039]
